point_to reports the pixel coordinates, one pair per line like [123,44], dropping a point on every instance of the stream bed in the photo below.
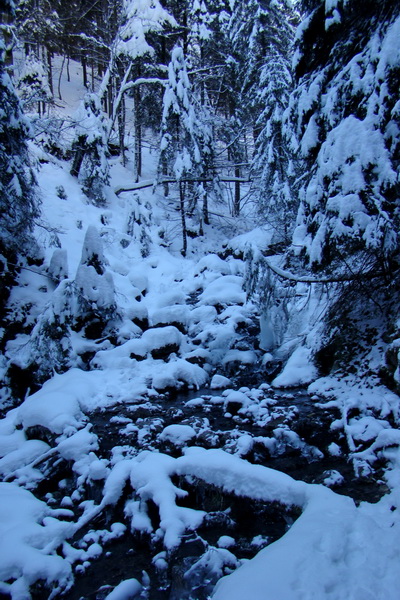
[283,430]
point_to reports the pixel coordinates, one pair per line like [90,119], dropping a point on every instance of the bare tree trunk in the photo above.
[236,201]
[206,217]
[121,130]
[50,71]
[165,172]
[183,218]
[138,135]
[78,157]
[60,77]
[84,70]
[110,98]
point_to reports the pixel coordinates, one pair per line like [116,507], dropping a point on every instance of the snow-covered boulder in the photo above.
[177,435]
[224,291]
[219,382]
[176,315]
[159,343]
[212,262]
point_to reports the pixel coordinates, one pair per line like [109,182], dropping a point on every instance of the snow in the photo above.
[219,382]
[26,532]
[56,406]
[225,290]
[305,564]
[178,435]
[298,370]
[126,590]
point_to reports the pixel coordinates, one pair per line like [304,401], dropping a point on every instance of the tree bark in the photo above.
[50,71]
[84,70]
[236,201]
[121,130]
[183,218]
[138,134]
[78,157]
[206,217]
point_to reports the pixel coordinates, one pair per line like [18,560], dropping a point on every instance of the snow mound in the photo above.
[178,435]
[29,536]
[298,370]
[226,290]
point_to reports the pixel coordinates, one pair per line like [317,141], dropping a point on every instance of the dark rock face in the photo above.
[163,352]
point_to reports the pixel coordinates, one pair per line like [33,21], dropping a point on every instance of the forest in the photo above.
[200,294]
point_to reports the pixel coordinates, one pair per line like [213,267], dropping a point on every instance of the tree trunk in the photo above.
[50,71]
[84,70]
[78,157]
[183,218]
[206,217]
[121,130]
[236,201]
[110,99]
[165,172]
[138,135]
[60,77]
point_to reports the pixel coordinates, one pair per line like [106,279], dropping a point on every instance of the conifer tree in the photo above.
[33,85]
[96,306]
[90,162]
[19,200]
[18,190]
[345,113]
[268,83]
[180,154]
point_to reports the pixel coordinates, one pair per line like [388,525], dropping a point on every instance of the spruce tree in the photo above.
[345,114]
[180,155]
[90,161]
[18,189]
[267,85]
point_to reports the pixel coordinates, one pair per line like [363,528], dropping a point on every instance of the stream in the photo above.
[283,430]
